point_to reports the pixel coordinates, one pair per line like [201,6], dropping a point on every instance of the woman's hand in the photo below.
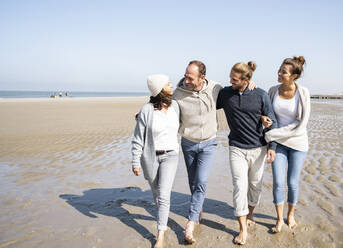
[251,85]
[270,156]
[136,171]
[266,121]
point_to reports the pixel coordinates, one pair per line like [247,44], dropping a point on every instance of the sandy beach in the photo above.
[66,181]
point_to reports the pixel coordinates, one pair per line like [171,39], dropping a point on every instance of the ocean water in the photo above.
[47,94]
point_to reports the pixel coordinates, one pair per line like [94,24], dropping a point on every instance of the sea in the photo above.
[48,94]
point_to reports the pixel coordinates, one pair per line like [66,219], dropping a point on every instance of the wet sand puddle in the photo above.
[87,197]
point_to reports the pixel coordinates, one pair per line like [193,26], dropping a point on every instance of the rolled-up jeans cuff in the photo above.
[279,203]
[253,204]
[162,228]
[241,213]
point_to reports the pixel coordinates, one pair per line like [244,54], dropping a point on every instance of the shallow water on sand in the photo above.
[72,195]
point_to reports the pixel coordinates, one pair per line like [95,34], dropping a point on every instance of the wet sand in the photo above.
[66,181]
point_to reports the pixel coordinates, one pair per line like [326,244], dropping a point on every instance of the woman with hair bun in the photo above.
[155,146]
[291,104]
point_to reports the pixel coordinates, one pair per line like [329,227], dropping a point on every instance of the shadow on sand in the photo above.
[110,202]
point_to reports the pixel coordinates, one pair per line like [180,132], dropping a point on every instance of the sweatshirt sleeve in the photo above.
[216,89]
[137,143]
[268,111]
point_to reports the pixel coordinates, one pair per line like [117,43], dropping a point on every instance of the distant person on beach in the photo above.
[197,97]
[291,104]
[248,149]
[155,147]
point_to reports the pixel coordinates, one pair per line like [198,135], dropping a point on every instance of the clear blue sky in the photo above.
[113,45]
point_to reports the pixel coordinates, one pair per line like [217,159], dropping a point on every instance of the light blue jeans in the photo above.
[198,159]
[295,160]
[162,184]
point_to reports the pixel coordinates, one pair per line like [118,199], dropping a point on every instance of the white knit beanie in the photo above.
[156,83]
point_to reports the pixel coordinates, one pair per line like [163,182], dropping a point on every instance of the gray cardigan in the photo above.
[143,148]
[293,135]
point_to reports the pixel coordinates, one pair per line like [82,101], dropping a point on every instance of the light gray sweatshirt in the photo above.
[198,120]
[293,135]
[142,146]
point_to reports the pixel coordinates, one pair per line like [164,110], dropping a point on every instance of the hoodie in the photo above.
[198,120]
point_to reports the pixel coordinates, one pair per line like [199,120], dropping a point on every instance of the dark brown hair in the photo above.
[297,65]
[245,69]
[162,99]
[201,66]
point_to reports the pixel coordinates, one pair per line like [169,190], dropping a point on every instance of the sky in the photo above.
[89,45]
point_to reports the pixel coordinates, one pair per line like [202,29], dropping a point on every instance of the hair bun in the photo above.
[300,60]
[252,65]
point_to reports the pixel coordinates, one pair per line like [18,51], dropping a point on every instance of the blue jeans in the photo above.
[162,184]
[198,159]
[295,160]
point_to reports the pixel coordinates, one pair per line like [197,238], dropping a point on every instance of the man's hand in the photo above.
[136,171]
[266,121]
[270,156]
[251,85]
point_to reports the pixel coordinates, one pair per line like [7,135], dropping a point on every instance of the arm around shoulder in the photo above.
[216,89]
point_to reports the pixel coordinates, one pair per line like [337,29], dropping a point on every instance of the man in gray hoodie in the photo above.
[197,98]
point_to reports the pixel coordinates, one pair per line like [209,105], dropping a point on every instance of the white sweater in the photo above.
[293,135]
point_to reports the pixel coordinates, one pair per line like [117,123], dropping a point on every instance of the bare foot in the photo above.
[250,221]
[278,226]
[189,232]
[241,238]
[291,222]
[160,239]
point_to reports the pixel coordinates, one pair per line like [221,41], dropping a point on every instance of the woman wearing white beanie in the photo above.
[155,146]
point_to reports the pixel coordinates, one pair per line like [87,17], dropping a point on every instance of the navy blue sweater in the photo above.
[243,114]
